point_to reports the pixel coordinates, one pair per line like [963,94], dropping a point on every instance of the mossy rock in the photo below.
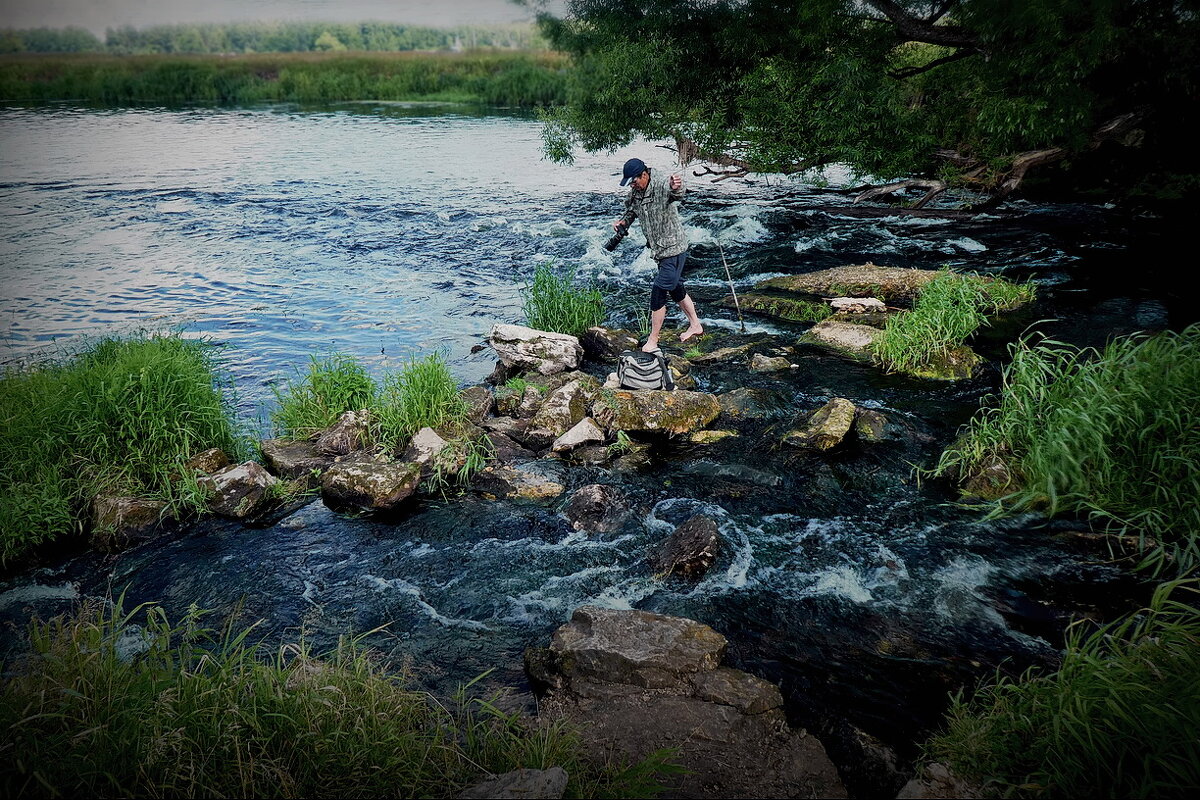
[890,284]
[845,338]
[669,412]
[788,308]
[955,364]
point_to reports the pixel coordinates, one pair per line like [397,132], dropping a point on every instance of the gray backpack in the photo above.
[638,370]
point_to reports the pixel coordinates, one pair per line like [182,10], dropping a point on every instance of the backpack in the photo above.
[638,370]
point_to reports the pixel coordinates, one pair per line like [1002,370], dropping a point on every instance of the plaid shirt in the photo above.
[657,208]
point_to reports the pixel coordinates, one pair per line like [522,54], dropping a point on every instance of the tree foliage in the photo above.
[973,92]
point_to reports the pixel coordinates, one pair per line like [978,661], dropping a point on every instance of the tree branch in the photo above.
[918,30]
[933,189]
[908,72]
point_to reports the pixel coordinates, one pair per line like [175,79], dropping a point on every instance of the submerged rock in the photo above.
[825,428]
[856,280]
[526,784]
[241,491]
[290,459]
[543,352]
[117,522]
[535,480]
[351,432]
[649,410]
[598,508]
[690,550]
[369,483]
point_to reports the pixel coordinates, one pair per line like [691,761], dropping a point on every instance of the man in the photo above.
[653,199]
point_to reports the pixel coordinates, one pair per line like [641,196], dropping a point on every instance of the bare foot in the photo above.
[690,332]
[650,346]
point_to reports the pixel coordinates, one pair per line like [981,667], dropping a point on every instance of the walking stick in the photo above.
[730,279]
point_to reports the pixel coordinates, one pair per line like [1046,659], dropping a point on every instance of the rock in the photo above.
[597,508]
[425,444]
[526,784]
[480,402]
[690,550]
[825,428]
[747,404]
[591,456]
[636,457]
[613,381]
[857,280]
[991,479]
[732,472]
[792,309]
[953,364]
[583,432]
[710,437]
[207,462]
[351,432]
[935,782]
[858,305]
[870,426]
[118,521]
[722,354]
[539,351]
[506,450]
[741,690]
[635,647]
[562,409]
[605,344]
[649,410]
[531,401]
[369,483]
[293,459]
[845,337]
[761,363]
[241,491]
[500,375]
[509,426]
[535,480]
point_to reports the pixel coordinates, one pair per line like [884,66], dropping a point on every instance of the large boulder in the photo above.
[825,428]
[690,550]
[241,491]
[290,459]
[351,432]
[531,350]
[856,280]
[606,344]
[649,410]
[369,483]
[846,337]
[562,410]
[118,521]
[536,480]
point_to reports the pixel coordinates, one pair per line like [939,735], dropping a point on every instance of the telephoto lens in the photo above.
[611,244]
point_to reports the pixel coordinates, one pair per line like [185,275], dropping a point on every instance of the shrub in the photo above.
[117,704]
[333,385]
[1118,719]
[122,415]
[1111,434]
[552,302]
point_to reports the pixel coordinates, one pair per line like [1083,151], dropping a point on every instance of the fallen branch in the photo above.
[932,189]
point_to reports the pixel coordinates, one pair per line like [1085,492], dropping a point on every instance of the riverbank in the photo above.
[500,78]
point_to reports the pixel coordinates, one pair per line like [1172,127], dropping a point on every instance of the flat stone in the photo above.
[649,410]
[858,305]
[825,428]
[369,483]
[761,363]
[582,433]
[527,481]
[741,690]
[290,459]
[522,784]
[544,352]
[844,336]
[856,280]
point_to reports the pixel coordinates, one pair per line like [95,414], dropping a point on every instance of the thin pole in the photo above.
[730,279]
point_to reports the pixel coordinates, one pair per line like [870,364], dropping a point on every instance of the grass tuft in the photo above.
[333,385]
[552,302]
[422,395]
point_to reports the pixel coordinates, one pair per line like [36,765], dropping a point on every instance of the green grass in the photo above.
[950,308]
[120,416]
[486,77]
[333,385]
[1118,719]
[552,302]
[1112,434]
[422,395]
[116,704]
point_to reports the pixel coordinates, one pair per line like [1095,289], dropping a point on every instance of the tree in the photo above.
[933,94]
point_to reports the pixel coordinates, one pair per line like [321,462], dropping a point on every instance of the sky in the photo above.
[96,15]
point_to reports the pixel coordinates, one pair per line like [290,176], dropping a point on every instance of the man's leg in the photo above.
[694,326]
[656,323]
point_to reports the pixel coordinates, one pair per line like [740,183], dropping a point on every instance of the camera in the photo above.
[622,232]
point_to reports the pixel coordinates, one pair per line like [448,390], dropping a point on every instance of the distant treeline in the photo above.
[269,37]
[481,76]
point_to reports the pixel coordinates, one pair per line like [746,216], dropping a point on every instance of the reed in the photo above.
[421,395]
[120,416]
[1118,719]
[551,301]
[333,385]
[1111,434]
[116,703]
[495,78]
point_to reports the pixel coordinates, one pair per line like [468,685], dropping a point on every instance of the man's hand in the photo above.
[618,223]
[676,183]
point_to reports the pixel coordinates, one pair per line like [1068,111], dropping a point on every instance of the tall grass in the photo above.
[1118,719]
[131,705]
[551,301]
[122,415]
[949,309]
[422,394]
[333,385]
[498,78]
[1112,434]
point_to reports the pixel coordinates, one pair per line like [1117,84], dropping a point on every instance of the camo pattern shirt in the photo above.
[657,208]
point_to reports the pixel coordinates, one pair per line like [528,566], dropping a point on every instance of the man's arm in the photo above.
[675,189]
[626,219]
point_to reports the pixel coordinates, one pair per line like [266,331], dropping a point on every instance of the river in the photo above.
[385,231]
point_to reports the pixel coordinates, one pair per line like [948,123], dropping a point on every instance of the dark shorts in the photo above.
[670,272]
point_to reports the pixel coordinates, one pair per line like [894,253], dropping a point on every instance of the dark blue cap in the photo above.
[633,168]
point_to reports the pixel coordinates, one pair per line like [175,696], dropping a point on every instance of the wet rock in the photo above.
[207,462]
[710,437]
[856,280]
[241,491]
[526,784]
[506,450]
[953,364]
[583,432]
[825,428]
[690,550]
[425,444]
[722,354]
[592,456]
[597,508]
[845,337]
[732,472]
[351,432]
[789,308]
[635,647]
[633,459]
[741,690]
[761,363]
[562,410]
[293,459]
[858,305]
[544,352]
[119,521]
[535,480]
[647,410]
[606,344]
[480,403]
[369,483]
[936,782]
[742,404]
[870,426]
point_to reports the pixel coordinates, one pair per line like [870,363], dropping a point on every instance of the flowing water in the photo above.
[387,231]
